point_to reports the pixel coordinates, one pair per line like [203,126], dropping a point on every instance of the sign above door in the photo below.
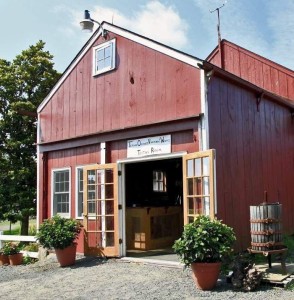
[149,146]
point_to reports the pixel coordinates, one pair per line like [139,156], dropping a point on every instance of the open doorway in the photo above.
[154,207]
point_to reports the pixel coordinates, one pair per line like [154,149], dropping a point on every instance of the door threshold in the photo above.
[157,262]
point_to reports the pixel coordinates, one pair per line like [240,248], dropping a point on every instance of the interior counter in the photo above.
[149,228]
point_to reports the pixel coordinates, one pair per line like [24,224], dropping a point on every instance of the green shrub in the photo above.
[204,240]
[58,232]
[10,248]
[31,247]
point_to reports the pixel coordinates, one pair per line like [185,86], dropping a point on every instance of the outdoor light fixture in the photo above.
[87,24]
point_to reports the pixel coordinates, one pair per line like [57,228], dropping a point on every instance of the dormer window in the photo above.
[104,57]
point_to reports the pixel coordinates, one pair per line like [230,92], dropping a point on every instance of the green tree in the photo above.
[24,83]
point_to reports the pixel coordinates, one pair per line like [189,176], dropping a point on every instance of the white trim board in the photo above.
[154,157]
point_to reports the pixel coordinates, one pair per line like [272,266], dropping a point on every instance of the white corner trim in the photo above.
[38,187]
[203,125]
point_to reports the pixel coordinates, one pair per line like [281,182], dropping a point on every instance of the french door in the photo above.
[199,185]
[101,210]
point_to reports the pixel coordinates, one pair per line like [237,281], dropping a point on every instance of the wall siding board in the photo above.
[79,100]
[254,154]
[86,74]
[283,89]
[215,138]
[66,111]
[72,104]
[92,99]
[60,114]
[138,80]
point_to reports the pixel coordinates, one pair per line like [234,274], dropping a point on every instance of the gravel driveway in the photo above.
[93,278]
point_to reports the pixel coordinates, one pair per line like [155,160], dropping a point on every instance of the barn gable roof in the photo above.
[254,68]
[169,51]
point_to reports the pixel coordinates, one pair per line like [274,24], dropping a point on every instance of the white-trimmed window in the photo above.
[159,181]
[79,192]
[61,192]
[104,57]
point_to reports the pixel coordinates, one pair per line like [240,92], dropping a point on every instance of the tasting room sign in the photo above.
[149,146]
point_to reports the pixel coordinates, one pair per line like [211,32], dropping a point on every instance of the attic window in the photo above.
[104,57]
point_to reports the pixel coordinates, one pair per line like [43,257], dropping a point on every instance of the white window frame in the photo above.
[112,66]
[77,184]
[157,181]
[65,215]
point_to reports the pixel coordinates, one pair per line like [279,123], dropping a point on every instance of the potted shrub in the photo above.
[4,260]
[203,245]
[12,250]
[60,233]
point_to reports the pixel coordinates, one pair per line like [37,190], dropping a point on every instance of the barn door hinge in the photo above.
[120,241]
[119,173]
[119,206]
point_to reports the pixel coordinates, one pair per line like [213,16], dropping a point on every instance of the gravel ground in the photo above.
[93,278]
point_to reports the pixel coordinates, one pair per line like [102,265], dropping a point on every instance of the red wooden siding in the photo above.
[163,89]
[254,153]
[255,69]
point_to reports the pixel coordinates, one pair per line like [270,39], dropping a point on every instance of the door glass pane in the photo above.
[197,162]
[109,208]
[190,171]
[205,165]
[100,176]
[108,176]
[109,191]
[198,186]
[191,206]
[198,208]
[91,177]
[190,219]
[109,239]
[206,207]
[91,207]
[205,185]
[190,186]
[109,223]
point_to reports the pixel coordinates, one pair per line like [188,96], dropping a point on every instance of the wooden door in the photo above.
[199,184]
[101,210]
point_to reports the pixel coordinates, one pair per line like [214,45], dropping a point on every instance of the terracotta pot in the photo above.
[205,275]
[15,259]
[67,256]
[4,260]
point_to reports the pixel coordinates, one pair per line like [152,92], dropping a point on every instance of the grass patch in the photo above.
[15,231]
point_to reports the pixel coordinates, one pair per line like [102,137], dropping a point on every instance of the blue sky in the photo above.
[262,26]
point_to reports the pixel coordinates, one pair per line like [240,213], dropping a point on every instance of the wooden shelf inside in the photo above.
[150,228]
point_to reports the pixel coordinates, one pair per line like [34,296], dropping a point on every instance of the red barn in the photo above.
[137,138]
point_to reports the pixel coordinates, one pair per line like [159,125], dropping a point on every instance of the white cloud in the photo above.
[154,20]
